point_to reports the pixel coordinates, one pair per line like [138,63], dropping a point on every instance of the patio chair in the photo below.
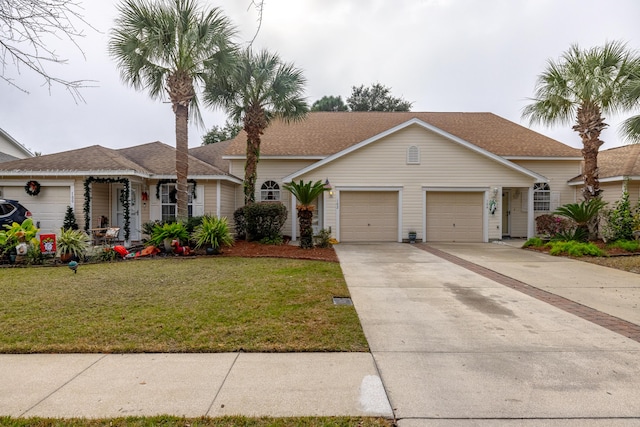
[111,235]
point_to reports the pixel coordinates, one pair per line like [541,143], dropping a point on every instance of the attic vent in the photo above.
[413,155]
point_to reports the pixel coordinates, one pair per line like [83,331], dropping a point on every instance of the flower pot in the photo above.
[212,251]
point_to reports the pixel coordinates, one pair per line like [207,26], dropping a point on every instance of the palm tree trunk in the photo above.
[182,162]
[305,218]
[254,125]
[589,125]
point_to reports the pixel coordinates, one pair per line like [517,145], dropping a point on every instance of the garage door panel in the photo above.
[454,216]
[368,216]
[47,208]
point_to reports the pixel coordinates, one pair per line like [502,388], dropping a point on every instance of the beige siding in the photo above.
[228,201]
[210,196]
[444,164]
[611,191]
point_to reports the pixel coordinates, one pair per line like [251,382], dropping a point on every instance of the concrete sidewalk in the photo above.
[191,385]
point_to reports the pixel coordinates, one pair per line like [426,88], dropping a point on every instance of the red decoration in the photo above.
[48,244]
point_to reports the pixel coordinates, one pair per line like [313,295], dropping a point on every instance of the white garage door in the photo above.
[48,207]
[454,216]
[369,216]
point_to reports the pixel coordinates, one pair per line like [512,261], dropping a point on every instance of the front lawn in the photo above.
[206,304]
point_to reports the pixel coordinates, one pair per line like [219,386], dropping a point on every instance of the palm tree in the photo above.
[262,88]
[169,46]
[305,194]
[581,87]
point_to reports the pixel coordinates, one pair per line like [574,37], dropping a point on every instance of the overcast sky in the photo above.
[442,55]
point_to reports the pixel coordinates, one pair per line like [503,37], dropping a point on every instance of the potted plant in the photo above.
[212,233]
[72,243]
[412,236]
[164,234]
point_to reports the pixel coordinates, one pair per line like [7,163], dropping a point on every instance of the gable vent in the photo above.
[413,155]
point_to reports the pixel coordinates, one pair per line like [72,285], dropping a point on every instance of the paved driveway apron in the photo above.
[455,348]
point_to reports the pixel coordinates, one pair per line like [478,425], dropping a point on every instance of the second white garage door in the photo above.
[369,216]
[454,216]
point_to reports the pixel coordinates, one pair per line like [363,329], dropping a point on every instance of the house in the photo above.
[465,177]
[128,186]
[618,170]
[10,149]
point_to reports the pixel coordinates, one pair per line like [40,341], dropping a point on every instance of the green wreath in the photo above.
[32,188]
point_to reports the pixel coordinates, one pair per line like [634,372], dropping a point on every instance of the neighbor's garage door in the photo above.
[369,216]
[48,207]
[454,216]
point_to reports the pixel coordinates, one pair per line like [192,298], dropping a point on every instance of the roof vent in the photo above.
[413,155]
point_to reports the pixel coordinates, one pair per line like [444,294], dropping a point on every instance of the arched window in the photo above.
[270,190]
[541,197]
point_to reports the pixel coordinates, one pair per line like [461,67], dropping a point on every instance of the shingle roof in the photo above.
[153,158]
[620,161]
[160,159]
[212,154]
[90,158]
[324,133]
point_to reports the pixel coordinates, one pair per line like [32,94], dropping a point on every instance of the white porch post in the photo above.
[531,225]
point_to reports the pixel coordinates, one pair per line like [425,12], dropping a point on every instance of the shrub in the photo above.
[534,242]
[550,225]
[627,245]
[169,230]
[575,234]
[619,222]
[264,220]
[193,222]
[70,219]
[584,214]
[212,232]
[323,239]
[575,249]
[73,242]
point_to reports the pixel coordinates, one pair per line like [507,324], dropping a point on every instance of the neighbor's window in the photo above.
[169,203]
[270,190]
[541,197]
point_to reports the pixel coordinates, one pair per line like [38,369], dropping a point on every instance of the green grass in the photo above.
[178,305]
[167,421]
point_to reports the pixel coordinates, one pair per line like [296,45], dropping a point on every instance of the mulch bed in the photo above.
[242,248]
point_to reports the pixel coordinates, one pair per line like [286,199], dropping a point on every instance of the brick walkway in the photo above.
[614,324]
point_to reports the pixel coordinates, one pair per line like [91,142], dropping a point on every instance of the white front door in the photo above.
[134,211]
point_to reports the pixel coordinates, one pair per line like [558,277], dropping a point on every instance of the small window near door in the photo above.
[413,155]
[269,191]
[541,197]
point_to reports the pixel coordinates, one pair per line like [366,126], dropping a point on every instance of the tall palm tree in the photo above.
[581,87]
[262,88]
[305,194]
[167,47]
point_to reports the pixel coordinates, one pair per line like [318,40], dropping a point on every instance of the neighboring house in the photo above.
[470,177]
[618,169]
[10,149]
[93,181]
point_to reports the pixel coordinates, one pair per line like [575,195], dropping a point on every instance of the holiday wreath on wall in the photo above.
[32,188]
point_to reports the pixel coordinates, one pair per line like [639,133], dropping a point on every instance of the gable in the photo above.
[444,159]
[12,148]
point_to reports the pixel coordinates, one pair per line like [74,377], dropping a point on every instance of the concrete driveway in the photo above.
[454,348]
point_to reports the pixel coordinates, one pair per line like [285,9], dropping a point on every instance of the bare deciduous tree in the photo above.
[26,26]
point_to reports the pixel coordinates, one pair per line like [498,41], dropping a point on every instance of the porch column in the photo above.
[294,219]
[531,224]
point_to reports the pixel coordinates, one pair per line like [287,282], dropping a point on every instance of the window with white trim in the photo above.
[413,155]
[168,201]
[269,191]
[541,197]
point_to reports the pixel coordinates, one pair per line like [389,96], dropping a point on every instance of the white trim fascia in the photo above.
[369,188]
[19,146]
[209,177]
[427,126]
[579,159]
[62,173]
[618,178]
